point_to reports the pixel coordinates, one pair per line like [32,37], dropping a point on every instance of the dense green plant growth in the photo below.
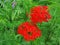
[13,13]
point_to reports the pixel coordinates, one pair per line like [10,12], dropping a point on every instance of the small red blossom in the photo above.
[29,31]
[39,14]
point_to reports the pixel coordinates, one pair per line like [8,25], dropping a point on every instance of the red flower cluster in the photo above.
[29,31]
[39,14]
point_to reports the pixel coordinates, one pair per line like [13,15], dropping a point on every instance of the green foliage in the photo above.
[12,16]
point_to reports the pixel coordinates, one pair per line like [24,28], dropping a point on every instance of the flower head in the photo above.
[39,14]
[29,31]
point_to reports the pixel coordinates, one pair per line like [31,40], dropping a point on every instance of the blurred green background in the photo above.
[13,13]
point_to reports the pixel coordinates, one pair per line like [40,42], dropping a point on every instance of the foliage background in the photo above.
[13,13]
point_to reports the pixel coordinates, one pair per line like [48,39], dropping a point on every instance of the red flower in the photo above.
[29,31]
[39,14]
